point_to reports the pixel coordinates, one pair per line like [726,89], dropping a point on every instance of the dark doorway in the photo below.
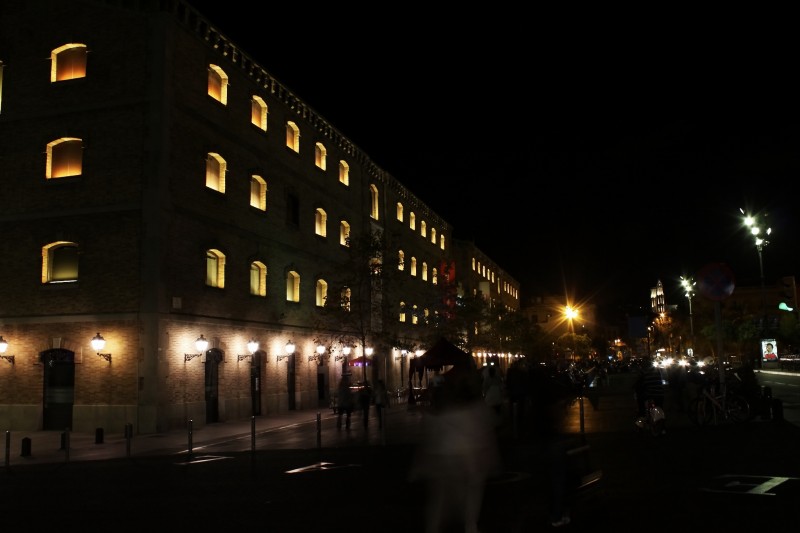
[255,383]
[213,359]
[322,386]
[59,388]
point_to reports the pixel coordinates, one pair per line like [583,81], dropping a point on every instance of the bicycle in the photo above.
[710,407]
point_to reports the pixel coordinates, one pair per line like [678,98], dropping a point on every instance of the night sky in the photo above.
[588,159]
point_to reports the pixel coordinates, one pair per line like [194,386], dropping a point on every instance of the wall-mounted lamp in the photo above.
[318,355]
[289,351]
[368,351]
[201,344]
[252,347]
[3,348]
[345,353]
[400,357]
[98,343]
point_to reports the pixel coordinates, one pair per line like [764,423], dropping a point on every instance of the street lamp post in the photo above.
[688,285]
[751,223]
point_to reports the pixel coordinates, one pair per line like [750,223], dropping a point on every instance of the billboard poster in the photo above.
[769,350]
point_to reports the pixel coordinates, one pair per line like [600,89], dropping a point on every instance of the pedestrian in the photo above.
[550,399]
[381,400]
[364,399]
[344,402]
[649,386]
[493,391]
[458,453]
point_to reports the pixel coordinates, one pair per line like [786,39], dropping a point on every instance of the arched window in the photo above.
[424,271]
[293,136]
[216,167]
[258,113]
[215,268]
[64,158]
[344,233]
[320,156]
[258,192]
[441,242]
[373,195]
[258,278]
[68,62]
[60,262]
[434,276]
[399,212]
[321,222]
[345,296]
[412,220]
[322,292]
[413,266]
[414,314]
[402,317]
[344,173]
[433,235]
[217,84]
[423,228]
[401,260]
[292,286]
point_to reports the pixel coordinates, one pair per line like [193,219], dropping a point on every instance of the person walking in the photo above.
[493,390]
[344,402]
[381,400]
[364,399]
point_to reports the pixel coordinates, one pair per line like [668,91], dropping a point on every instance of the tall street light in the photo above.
[756,230]
[688,286]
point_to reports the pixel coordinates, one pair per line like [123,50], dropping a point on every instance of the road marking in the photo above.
[744,484]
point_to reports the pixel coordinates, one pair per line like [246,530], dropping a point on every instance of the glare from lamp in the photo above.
[201,343]
[320,349]
[3,345]
[290,348]
[252,346]
[98,342]
[368,350]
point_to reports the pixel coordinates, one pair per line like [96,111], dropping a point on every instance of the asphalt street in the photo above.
[297,472]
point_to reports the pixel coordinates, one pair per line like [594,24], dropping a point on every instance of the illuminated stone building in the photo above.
[160,187]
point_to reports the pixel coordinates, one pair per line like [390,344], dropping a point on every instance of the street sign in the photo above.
[716,281]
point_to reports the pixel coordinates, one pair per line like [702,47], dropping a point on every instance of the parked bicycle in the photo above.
[712,407]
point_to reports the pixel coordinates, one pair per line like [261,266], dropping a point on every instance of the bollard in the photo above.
[98,436]
[26,447]
[190,436]
[128,437]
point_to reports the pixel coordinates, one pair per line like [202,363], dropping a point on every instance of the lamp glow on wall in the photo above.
[290,347]
[318,355]
[201,344]
[345,352]
[98,343]
[252,347]
[3,347]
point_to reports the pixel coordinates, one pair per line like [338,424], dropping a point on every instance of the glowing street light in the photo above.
[759,235]
[688,286]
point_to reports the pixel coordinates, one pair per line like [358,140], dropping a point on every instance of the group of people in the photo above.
[364,395]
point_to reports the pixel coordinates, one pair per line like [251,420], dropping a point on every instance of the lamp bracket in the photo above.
[9,358]
[340,357]
[106,356]
[282,357]
[190,356]
[242,357]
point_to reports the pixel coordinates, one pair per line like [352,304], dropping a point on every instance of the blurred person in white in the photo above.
[458,453]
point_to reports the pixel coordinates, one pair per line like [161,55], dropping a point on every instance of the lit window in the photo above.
[423,229]
[215,172]
[399,212]
[258,278]
[344,173]
[293,136]
[258,192]
[64,158]
[441,242]
[373,194]
[434,276]
[401,256]
[292,286]
[433,235]
[412,220]
[258,113]
[344,233]
[321,222]
[414,316]
[68,62]
[217,84]
[215,269]
[402,311]
[413,266]
[320,156]
[424,271]
[345,298]
[322,292]
[60,262]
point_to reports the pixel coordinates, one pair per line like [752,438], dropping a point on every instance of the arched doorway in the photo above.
[213,359]
[59,388]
